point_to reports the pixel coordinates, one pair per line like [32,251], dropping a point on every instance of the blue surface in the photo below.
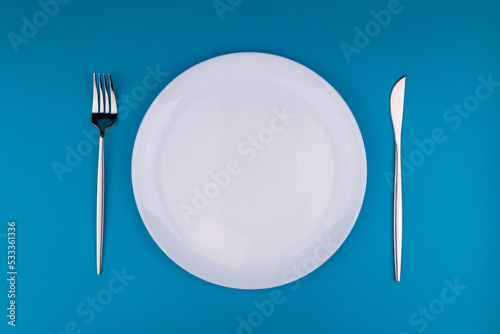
[451,217]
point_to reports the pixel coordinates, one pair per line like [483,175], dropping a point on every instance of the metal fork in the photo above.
[104,115]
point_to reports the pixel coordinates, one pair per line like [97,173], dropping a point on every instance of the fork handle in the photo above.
[100,203]
[398,214]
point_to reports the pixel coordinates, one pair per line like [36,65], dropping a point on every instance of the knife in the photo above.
[397,102]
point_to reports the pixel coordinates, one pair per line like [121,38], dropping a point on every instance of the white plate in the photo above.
[249,170]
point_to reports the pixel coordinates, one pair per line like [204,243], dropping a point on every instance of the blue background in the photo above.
[451,217]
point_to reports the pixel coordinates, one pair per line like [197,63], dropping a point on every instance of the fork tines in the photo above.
[104,104]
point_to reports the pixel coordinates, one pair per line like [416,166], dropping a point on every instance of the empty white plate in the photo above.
[249,170]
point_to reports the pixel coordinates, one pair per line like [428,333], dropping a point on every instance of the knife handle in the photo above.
[398,214]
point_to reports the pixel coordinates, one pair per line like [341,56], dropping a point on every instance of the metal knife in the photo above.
[397,102]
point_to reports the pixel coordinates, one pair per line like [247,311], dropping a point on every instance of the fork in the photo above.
[104,115]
